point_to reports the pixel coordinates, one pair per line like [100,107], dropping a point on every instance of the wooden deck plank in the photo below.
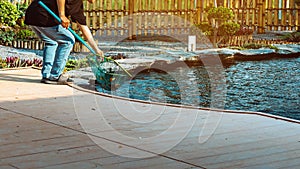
[274,160]
[248,158]
[51,137]
[289,162]
[67,157]
[43,146]
[185,150]
[114,160]
[237,142]
[66,114]
[7,167]
[32,155]
[156,162]
[57,111]
[44,159]
[172,165]
[227,136]
[81,164]
[25,129]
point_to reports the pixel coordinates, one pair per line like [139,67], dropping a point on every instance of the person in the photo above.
[58,39]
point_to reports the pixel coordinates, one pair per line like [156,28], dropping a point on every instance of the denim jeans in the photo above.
[58,44]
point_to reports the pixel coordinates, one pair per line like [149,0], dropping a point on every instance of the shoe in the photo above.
[44,80]
[62,80]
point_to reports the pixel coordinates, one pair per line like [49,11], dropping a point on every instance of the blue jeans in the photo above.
[58,44]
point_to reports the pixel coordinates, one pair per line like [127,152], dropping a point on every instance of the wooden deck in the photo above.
[44,126]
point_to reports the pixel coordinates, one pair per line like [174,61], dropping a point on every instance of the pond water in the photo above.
[266,86]
[271,86]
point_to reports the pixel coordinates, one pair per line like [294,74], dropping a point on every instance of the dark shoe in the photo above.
[62,80]
[44,80]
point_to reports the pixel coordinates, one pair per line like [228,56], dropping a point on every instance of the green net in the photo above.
[108,74]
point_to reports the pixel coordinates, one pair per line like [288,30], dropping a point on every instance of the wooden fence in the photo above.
[169,17]
[271,15]
[130,18]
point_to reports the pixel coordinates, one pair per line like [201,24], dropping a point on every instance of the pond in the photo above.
[271,86]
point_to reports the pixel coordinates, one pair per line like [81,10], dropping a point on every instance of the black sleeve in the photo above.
[36,15]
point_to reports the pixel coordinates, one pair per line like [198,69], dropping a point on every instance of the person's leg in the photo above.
[49,51]
[65,41]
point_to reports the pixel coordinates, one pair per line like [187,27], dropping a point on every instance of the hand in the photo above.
[100,53]
[65,22]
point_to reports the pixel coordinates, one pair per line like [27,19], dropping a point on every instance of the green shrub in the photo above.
[9,13]
[12,23]
[219,26]
[2,63]
[73,64]
[22,8]
[220,13]
[205,28]
[222,17]
[24,34]
[7,36]
[228,28]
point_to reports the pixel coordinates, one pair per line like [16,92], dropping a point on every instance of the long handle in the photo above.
[77,36]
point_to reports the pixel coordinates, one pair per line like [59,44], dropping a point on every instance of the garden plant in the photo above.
[220,26]
[12,25]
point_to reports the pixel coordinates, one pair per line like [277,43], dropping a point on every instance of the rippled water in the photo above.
[266,86]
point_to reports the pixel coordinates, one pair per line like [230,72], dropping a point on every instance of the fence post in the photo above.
[199,12]
[298,15]
[131,25]
[261,16]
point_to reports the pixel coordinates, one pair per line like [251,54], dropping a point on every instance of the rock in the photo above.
[229,56]
[81,74]
[133,63]
[261,51]
[287,49]
[217,51]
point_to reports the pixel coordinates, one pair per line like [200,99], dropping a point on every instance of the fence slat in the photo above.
[100,18]
[192,13]
[270,14]
[123,14]
[166,16]
[290,15]
[297,18]
[109,16]
[283,18]
[115,17]
[276,21]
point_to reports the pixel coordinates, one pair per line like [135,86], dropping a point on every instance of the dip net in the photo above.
[108,73]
